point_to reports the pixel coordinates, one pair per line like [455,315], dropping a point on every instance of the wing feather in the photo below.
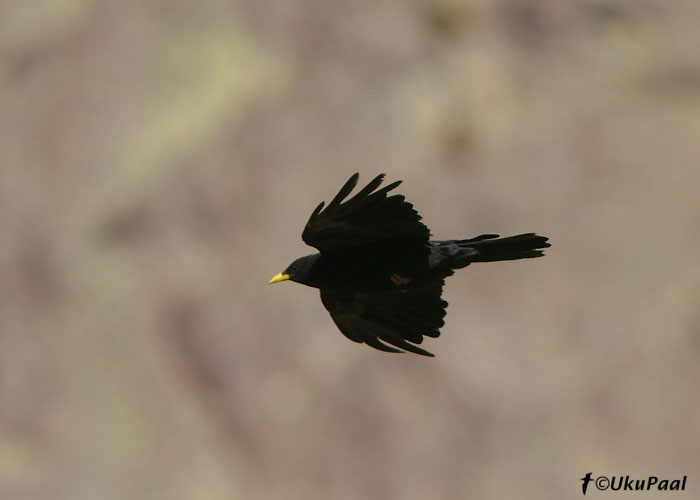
[400,318]
[344,191]
[369,217]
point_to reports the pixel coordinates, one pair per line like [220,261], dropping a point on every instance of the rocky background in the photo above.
[159,158]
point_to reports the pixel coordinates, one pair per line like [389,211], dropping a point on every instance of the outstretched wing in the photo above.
[367,218]
[389,320]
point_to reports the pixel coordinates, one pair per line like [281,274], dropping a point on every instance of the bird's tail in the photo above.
[456,254]
[490,248]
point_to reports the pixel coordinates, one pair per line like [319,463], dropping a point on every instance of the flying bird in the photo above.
[379,274]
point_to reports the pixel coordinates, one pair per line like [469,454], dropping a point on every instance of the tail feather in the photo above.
[456,254]
[521,246]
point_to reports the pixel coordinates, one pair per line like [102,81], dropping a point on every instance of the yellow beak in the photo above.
[279,277]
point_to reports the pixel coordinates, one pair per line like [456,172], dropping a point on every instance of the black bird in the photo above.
[380,277]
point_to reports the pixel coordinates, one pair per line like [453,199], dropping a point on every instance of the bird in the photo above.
[380,275]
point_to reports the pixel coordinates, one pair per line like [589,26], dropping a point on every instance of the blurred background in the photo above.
[158,160]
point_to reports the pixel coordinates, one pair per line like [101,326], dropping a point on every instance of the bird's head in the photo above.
[298,271]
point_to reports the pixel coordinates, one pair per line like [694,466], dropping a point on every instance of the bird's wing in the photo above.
[389,320]
[367,218]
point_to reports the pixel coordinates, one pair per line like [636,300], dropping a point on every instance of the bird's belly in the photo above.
[366,274]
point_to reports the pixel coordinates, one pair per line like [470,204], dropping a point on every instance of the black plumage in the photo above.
[380,277]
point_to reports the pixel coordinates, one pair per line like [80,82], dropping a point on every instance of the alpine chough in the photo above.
[380,276]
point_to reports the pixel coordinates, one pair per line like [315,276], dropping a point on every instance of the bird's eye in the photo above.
[293,268]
